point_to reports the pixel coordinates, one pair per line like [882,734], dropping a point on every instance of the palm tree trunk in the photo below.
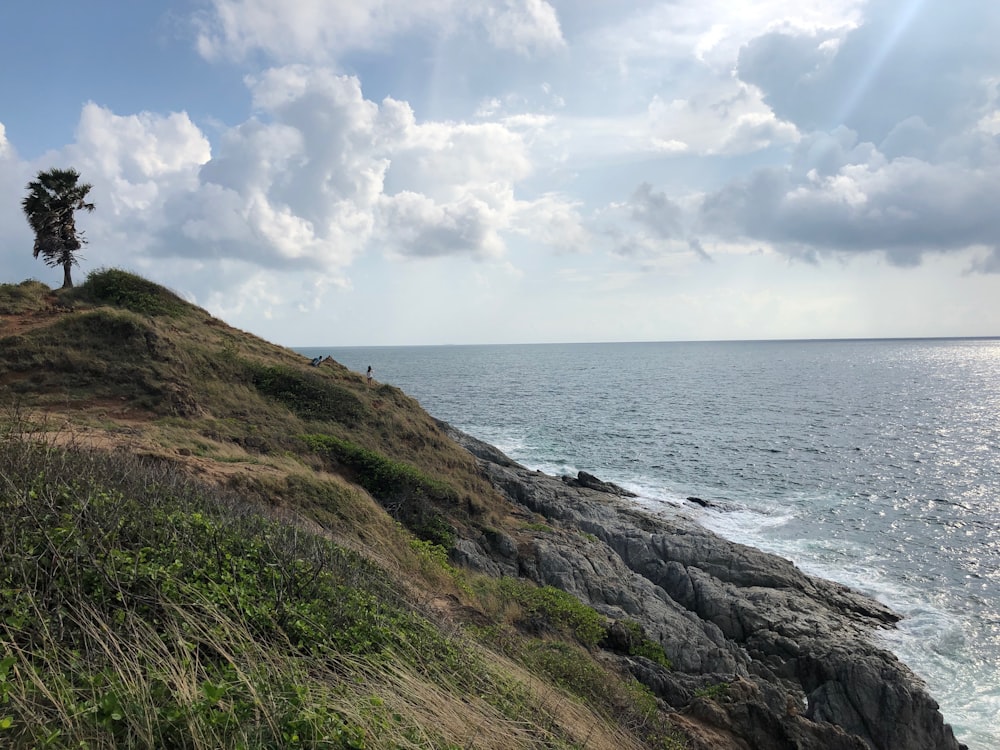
[67,278]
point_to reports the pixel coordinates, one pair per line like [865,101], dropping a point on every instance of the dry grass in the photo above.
[183,403]
[88,665]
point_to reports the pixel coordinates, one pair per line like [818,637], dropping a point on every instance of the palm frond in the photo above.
[52,200]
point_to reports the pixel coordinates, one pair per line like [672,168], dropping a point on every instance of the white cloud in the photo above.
[299,183]
[6,150]
[554,221]
[309,29]
[754,131]
[524,26]
[631,140]
[713,31]
[867,80]
[417,226]
[137,160]
[143,146]
[325,30]
[723,118]
[318,177]
[138,164]
[989,121]
[857,200]
[451,186]
[446,159]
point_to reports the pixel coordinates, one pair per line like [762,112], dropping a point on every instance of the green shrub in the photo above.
[566,667]
[113,286]
[640,644]
[307,394]
[432,553]
[557,609]
[28,296]
[97,353]
[402,489]
[717,692]
[122,329]
[123,586]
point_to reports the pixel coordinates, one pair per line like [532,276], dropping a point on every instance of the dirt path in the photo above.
[18,323]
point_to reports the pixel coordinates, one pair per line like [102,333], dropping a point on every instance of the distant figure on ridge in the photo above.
[371,375]
[316,361]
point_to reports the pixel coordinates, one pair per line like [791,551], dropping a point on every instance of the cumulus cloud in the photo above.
[446,159]
[140,147]
[309,29]
[866,80]
[553,221]
[904,207]
[651,227]
[323,31]
[450,189]
[884,160]
[416,225]
[712,31]
[726,117]
[298,183]
[656,212]
[6,150]
[138,160]
[525,26]
[323,173]
[138,165]
[318,176]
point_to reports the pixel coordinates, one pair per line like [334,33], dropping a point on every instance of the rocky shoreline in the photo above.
[764,656]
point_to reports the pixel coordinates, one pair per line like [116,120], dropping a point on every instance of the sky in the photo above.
[391,172]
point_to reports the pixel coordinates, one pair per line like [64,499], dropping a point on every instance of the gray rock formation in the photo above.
[583,479]
[793,656]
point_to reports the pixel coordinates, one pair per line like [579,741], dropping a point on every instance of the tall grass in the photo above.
[139,609]
[406,492]
[28,296]
[114,286]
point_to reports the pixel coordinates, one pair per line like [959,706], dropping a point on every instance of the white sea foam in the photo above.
[747,526]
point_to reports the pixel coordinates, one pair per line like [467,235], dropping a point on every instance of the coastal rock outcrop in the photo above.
[584,479]
[764,656]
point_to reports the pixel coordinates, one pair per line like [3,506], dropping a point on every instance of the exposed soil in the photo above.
[18,323]
[125,427]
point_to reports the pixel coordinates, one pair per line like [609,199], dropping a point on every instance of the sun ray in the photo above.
[904,17]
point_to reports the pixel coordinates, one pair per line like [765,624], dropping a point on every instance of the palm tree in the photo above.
[52,200]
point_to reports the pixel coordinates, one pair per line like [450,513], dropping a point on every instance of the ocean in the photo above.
[875,463]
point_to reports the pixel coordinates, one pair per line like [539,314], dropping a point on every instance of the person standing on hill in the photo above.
[371,375]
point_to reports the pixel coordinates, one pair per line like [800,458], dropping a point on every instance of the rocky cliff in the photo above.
[763,656]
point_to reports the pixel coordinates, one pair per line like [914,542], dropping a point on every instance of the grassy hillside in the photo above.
[208,543]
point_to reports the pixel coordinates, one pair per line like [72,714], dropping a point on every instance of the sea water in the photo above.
[871,463]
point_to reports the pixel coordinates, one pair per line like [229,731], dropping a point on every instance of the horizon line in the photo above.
[845,339]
